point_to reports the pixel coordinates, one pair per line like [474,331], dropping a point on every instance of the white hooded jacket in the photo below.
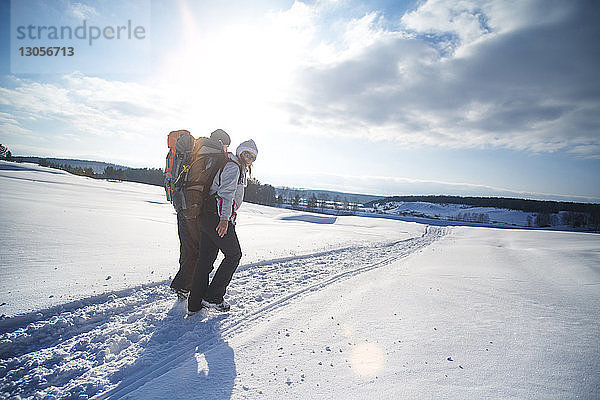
[229,183]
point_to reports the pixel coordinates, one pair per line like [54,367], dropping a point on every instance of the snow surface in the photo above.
[322,307]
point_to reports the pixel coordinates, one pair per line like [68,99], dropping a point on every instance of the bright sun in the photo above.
[241,71]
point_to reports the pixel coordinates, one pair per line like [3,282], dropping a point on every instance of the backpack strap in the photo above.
[185,169]
[223,167]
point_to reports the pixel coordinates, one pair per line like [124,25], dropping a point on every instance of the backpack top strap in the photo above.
[227,161]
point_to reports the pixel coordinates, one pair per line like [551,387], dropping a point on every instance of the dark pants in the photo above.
[210,244]
[189,239]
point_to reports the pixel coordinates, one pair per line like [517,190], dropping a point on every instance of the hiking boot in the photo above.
[192,312]
[182,294]
[222,306]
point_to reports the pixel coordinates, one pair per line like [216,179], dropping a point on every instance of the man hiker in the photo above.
[217,224]
[189,235]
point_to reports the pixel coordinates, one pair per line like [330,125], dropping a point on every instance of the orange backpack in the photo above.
[171,173]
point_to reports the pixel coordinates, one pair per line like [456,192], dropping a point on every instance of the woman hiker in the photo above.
[217,224]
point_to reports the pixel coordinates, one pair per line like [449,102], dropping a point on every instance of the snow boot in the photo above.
[222,306]
[190,312]
[182,294]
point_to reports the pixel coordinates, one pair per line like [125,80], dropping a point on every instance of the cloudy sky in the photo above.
[380,97]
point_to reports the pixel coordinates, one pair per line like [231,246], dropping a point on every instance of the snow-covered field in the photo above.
[459,212]
[322,307]
[67,237]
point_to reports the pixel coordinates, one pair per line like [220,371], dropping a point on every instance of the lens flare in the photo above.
[367,360]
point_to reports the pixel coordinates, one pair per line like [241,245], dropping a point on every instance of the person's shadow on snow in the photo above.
[186,358]
[215,363]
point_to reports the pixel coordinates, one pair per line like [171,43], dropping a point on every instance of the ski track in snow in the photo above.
[109,345]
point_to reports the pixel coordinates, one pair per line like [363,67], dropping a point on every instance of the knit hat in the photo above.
[221,135]
[248,145]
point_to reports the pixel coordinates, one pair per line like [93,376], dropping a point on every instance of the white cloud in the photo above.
[463,21]
[519,75]
[81,11]
[467,74]
[84,103]
[591,150]
[11,127]
[468,22]
[118,120]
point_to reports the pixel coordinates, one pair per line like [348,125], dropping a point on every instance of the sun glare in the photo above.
[241,71]
[367,360]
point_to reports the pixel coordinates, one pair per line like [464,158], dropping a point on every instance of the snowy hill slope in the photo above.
[322,307]
[460,212]
[552,215]
[69,237]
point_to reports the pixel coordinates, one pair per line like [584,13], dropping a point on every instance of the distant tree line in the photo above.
[568,218]
[258,193]
[151,176]
[320,202]
[89,172]
[481,218]
[255,192]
